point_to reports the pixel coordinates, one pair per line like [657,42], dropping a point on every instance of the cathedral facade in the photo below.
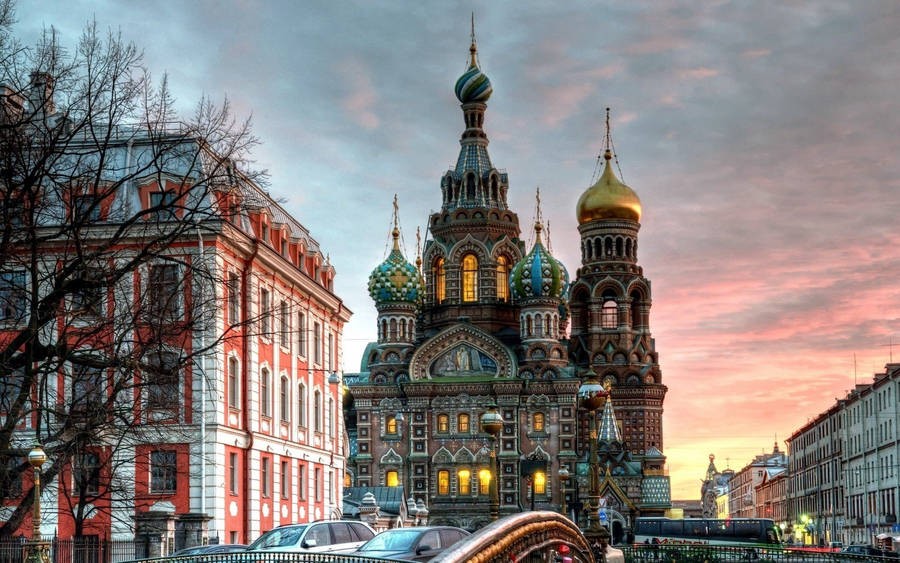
[481,323]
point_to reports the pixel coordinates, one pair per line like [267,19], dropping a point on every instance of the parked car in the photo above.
[210,549]
[412,544]
[335,536]
[868,551]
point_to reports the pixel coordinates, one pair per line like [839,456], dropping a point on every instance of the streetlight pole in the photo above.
[492,423]
[592,396]
[36,550]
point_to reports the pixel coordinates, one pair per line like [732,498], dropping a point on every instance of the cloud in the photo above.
[360,97]
[698,73]
[756,53]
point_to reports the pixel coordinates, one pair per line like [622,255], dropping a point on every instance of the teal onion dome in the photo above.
[395,280]
[473,85]
[539,274]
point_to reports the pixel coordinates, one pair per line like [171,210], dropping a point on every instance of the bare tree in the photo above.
[106,297]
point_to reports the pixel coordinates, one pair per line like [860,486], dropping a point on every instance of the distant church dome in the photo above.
[473,85]
[395,280]
[609,198]
[538,274]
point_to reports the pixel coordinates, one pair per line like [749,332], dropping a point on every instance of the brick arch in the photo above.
[506,246]
[469,245]
[608,284]
[420,364]
[639,286]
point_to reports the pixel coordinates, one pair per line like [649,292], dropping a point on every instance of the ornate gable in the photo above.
[462,350]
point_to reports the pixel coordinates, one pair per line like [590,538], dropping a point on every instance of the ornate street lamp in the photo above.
[563,475]
[592,396]
[492,423]
[36,550]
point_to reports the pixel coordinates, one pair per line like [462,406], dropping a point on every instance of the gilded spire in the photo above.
[418,249]
[473,48]
[396,232]
[537,216]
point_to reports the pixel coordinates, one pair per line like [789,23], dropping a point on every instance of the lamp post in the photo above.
[36,550]
[563,475]
[492,423]
[592,396]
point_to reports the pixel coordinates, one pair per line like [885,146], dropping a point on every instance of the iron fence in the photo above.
[269,557]
[81,550]
[716,554]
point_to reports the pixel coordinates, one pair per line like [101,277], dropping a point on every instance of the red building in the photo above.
[246,433]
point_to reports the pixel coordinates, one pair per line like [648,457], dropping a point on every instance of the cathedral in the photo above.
[482,326]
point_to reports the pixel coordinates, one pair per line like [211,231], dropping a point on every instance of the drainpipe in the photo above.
[202,365]
[245,383]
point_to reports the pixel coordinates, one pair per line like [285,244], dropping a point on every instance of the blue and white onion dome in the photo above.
[473,85]
[539,274]
[395,280]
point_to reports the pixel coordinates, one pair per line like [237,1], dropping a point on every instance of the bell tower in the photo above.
[610,307]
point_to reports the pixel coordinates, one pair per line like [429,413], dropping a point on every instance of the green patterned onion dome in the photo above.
[395,280]
[473,85]
[539,274]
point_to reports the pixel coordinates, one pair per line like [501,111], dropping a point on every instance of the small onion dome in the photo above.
[609,198]
[591,394]
[473,85]
[395,280]
[539,274]
[492,422]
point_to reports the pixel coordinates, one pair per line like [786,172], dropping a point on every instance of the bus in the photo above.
[707,531]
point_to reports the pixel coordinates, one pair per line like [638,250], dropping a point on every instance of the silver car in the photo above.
[334,536]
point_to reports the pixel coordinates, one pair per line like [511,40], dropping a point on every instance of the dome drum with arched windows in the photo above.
[539,274]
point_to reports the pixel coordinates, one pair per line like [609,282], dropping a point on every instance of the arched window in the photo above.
[635,310]
[443,423]
[384,331]
[439,279]
[391,479]
[469,278]
[462,424]
[390,426]
[465,483]
[348,480]
[628,248]
[528,330]
[495,193]
[470,187]
[393,334]
[402,329]
[608,246]
[265,404]
[285,402]
[484,482]
[538,326]
[502,278]
[301,405]
[443,482]
[620,249]
[609,316]
[540,483]
[537,424]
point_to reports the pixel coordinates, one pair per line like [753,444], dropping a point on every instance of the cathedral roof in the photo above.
[473,85]
[538,274]
[608,198]
[395,280]
[609,430]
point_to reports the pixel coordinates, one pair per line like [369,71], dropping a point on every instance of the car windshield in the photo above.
[394,540]
[279,537]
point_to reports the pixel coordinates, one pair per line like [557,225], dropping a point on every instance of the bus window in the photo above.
[721,529]
[750,530]
[647,527]
[672,528]
[695,528]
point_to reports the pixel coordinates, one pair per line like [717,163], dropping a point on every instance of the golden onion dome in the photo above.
[609,198]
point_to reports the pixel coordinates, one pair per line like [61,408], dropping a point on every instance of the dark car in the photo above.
[412,544]
[868,551]
[211,549]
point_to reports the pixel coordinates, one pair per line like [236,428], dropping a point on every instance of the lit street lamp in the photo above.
[592,396]
[36,550]
[492,423]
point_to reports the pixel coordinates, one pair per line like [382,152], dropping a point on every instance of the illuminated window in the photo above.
[484,481]
[538,424]
[439,277]
[540,483]
[391,426]
[348,480]
[502,278]
[609,315]
[463,423]
[391,479]
[469,278]
[465,485]
[443,482]
[443,425]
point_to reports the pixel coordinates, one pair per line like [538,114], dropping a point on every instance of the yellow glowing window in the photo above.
[443,423]
[440,280]
[463,423]
[391,426]
[469,278]
[484,481]
[348,480]
[538,425]
[464,483]
[391,479]
[443,482]
[502,278]
[540,483]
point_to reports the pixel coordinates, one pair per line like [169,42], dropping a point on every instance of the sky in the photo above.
[761,138]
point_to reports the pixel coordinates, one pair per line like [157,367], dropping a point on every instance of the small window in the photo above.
[317,483]
[502,278]
[538,422]
[301,482]
[443,482]
[266,477]
[13,296]
[86,209]
[161,381]
[233,473]
[609,314]
[285,400]
[443,424]
[317,411]
[317,343]
[164,291]
[391,425]
[465,485]
[301,405]
[234,298]
[463,424]
[264,313]
[86,474]
[285,325]
[469,278]
[265,406]
[301,334]
[484,481]
[439,277]
[391,479]
[234,383]
[540,483]
[285,480]
[162,205]
[163,471]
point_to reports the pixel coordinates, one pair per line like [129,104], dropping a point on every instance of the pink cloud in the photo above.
[755,53]
[359,100]
[698,73]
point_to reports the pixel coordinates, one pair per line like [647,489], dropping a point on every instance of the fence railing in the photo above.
[81,550]
[269,557]
[716,554]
